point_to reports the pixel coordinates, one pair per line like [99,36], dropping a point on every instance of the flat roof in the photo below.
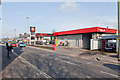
[43,34]
[86,30]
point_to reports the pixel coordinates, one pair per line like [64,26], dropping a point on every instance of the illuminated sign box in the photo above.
[32,29]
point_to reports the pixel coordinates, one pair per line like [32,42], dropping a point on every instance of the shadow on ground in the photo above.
[114,56]
[87,53]
[6,61]
[113,67]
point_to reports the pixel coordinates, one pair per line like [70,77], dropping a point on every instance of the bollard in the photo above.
[53,47]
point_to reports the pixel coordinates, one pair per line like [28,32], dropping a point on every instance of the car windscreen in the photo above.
[21,43]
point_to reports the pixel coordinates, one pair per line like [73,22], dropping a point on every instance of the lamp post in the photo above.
[118,33]
[15,33]
[27,28]
[28,24]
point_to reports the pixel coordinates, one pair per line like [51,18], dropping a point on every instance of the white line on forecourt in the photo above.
[43,73]
[89,63]
[67,62]
[109,74]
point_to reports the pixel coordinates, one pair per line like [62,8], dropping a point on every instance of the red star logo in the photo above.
[32,29]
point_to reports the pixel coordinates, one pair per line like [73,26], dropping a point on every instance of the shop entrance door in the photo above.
[77,42]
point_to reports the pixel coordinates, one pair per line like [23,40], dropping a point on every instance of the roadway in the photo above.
[32,62]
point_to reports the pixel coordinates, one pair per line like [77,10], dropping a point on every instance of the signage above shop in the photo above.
[102,30]
[43,34]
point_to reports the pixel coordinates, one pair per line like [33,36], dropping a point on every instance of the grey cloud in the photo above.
[69,6]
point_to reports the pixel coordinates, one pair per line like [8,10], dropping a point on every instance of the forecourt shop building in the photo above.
[84,38]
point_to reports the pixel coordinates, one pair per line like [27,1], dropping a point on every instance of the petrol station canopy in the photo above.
[86,30]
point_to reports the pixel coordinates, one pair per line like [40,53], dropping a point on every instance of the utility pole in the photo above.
[118,34]
[28,24]
[15,34]
[27,28]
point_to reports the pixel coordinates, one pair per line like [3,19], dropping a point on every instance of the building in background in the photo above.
[23,36]
[43,36]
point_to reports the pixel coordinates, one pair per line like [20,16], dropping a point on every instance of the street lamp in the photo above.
[28,24]
[27,28]
[118,34]
[15,32]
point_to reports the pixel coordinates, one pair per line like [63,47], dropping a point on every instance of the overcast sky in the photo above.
[46,16]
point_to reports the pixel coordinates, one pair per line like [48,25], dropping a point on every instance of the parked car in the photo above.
[44,41]
[2,42]
[21,44]
[13,44]
[110,47]
[47,43]
[52,42]
[41,43]
[38,42]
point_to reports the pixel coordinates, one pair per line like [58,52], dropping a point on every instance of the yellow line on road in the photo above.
[109,53]
[43,73]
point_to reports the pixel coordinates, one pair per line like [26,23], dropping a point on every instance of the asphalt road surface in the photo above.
[31,62]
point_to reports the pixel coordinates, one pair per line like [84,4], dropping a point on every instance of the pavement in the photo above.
[32,62]
[89,55]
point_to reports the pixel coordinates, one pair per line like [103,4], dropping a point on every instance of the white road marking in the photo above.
[30,51]
[88,76]
[98,65]
[67,62]
[43,73]
[89,63]
[109,73]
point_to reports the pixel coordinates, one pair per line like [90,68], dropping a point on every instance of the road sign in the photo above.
[32,29]
[32,36]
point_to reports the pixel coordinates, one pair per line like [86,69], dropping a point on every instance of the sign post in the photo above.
[32,36]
